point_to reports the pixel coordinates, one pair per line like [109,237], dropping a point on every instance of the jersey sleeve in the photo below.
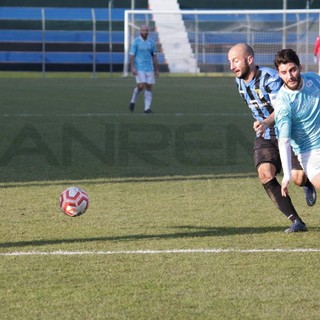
[282,117]
[133,48]
[273,85]
[283,124]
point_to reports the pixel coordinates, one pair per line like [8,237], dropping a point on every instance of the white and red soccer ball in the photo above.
[74,201]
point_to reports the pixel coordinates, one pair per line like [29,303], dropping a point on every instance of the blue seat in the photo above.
[26,13]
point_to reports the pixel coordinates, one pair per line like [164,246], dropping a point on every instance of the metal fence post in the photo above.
[43,18]
[110,35]
[94,43]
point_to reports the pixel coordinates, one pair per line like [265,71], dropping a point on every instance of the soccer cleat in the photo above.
[297,226]
[131,106]
[148,111]
[310,194]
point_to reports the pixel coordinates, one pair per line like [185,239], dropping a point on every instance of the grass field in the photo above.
[178,226]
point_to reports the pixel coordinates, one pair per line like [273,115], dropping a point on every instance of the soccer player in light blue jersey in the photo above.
[258,87]
[297,116]
[144,66]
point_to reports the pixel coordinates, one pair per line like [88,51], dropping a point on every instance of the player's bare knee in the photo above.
[266,172]
[265,177]
[298,177]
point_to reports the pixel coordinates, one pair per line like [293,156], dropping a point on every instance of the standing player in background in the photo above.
[144,66]
[316,52]
[297,116]
[258,87]
[317,49]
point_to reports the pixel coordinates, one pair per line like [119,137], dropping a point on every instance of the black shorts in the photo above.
[267,151]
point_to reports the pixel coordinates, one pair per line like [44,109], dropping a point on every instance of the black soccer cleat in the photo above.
[131,106]
[148,111]
[310,194]
[297,226]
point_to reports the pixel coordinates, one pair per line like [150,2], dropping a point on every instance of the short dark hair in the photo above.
[285,56]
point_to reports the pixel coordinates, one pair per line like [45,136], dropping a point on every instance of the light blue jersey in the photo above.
[297,114]
[143,50]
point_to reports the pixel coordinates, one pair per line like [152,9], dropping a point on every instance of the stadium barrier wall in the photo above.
[98,39]
[61,39]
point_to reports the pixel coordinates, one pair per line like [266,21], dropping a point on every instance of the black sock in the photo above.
[308,184]
[284,204]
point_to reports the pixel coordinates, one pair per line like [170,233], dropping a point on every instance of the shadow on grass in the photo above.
[130,180]
[191,232]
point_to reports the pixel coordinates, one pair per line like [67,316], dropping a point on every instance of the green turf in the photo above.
[58,126]
[179,179]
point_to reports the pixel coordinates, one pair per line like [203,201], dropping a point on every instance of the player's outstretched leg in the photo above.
[285,205]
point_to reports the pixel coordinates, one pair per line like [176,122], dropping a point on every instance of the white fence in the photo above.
[212,32]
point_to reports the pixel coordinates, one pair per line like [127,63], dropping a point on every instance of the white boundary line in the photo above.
[88,115]
[141,252]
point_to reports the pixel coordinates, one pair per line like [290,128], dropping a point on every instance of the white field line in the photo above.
[88,115]
[173,251]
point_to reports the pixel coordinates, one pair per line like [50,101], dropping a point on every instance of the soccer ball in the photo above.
[74,201]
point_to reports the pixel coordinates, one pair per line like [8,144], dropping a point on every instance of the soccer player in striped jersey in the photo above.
[297,116]
[144,66]
[258,87]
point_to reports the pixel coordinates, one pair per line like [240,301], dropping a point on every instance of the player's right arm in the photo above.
[132,66]
[260,126]
[132,55]
[286,161]
[272,85]
[283,123]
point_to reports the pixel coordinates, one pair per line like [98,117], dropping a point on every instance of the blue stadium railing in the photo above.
[46,49]
[60,36]
[27,13]
[39,38]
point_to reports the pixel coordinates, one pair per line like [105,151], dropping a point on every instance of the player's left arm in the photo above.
[154,58]
[155,64]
